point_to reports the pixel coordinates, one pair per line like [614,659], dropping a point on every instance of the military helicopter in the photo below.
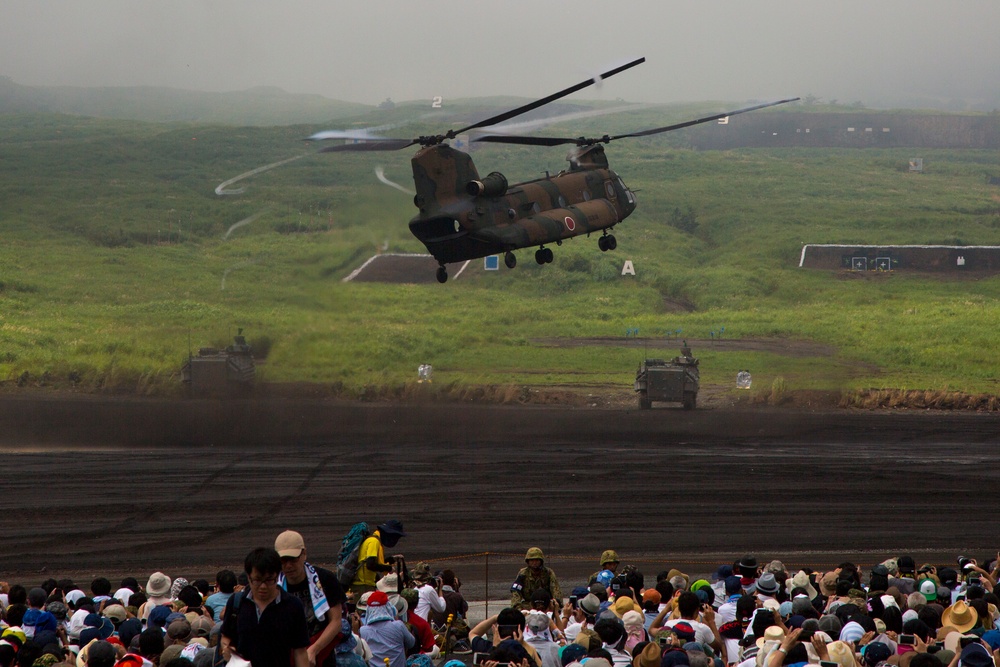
[463,216]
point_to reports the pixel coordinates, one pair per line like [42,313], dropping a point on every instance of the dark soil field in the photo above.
[114,486]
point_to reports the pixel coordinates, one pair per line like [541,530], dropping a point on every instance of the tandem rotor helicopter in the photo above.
[463,216]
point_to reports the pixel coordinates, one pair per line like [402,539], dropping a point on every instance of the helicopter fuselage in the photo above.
[463,217]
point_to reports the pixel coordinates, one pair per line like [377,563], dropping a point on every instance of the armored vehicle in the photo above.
[229,372]
[674,381]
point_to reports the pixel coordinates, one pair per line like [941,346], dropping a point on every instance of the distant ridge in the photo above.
[262,105]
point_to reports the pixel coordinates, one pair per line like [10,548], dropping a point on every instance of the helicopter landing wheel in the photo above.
[602,243]
[544,256]
[509,259]
[442,274]
[611,242]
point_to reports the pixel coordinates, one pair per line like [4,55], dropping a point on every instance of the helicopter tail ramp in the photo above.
[403,268]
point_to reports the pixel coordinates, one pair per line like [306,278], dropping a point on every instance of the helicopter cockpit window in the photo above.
[628,193]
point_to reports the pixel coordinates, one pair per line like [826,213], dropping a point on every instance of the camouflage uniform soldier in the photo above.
[609,561]
[531,578]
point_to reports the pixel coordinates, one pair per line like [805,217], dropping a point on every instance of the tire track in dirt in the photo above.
[670,488]
[128,518]
[262,516]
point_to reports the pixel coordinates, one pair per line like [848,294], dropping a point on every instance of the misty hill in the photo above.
[257,106]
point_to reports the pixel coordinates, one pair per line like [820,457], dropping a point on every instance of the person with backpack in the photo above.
[265,624]
[372,564]
[320,594]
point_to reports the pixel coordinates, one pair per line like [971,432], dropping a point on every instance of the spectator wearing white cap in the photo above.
[157,593]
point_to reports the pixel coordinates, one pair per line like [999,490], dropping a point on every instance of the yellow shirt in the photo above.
[372,546]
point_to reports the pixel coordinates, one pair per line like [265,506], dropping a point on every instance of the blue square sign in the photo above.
[491,263]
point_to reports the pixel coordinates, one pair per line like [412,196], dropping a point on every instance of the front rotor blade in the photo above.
[526,141]
[370,145]
[668,128]
[360,135]
[545,100]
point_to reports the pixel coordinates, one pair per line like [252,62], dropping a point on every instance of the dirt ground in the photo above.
[114,486]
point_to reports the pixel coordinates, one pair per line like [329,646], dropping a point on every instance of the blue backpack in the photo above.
[347,559]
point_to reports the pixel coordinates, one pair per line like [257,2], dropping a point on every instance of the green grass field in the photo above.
[113,263]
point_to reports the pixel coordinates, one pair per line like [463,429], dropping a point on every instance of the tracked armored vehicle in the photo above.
[674,381]
[226,373]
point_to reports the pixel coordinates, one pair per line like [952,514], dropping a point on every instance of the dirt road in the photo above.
[115,486]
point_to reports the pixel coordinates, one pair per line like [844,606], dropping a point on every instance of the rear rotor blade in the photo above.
[526,141]
[584,141]
[345,134]
[546,100]
[706,119]
[370,145]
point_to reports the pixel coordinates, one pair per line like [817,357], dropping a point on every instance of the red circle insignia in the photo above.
[570,223]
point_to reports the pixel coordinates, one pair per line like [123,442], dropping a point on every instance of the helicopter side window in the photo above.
[610,189]
[562,202]
[628,193]
[586,195]
[536,208]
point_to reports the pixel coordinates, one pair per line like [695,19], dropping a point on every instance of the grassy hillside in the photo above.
[114,262]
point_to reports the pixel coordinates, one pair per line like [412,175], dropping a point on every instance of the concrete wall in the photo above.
[901,258]
[848,130]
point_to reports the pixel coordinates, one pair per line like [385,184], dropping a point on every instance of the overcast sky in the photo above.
[880,52]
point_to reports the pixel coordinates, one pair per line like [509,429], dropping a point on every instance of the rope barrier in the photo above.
[478,555]
[711,564]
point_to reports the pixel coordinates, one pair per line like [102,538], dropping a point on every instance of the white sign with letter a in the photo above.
[628,269]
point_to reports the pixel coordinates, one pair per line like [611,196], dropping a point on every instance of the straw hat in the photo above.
[773,632]
[960,616]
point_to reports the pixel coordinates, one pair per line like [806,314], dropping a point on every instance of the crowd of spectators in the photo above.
[747,614]
[282,611]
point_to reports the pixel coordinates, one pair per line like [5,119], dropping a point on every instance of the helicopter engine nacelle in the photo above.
[494,185]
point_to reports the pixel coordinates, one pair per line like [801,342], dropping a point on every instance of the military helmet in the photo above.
[534,552]
[609,556]
[412,597]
